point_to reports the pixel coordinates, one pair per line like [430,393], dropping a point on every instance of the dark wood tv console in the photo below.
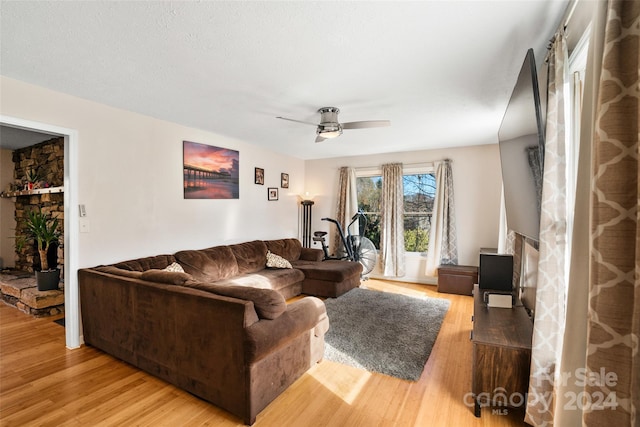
[501,354]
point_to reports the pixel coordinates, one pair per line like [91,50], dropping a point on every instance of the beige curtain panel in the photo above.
[347,207]
[443,248]
[392,221]
[549,322]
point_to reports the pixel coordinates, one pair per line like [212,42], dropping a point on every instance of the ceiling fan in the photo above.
[329,127]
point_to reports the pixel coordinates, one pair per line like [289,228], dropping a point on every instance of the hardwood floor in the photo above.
[43,383]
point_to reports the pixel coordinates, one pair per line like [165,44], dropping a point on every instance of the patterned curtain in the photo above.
[392,221]
[347,207]
[443,248]
[614,289]
[550,295]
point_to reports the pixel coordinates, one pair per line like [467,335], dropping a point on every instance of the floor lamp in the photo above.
[306,223]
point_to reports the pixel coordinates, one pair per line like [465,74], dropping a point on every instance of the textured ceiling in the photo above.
[441,71]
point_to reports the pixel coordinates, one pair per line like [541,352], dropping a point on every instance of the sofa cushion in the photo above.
[250,256]
[209,265]
[311,254]
[332,270]
[276,261]
[287,281]
[269,278]
[141,264]
[168,277]
[286,248]
[268,303]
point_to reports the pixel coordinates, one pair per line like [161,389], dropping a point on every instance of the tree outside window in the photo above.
[419,194]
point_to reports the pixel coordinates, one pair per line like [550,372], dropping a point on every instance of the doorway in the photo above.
[71,298]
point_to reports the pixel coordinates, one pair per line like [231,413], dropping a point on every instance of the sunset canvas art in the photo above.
[210,172]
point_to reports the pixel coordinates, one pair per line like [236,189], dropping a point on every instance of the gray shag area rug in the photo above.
[383,332]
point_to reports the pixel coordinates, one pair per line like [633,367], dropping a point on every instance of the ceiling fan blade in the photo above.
[297,121]
[366,124]
[320,139]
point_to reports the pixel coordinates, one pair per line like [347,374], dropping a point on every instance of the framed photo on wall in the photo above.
[210,172]
[284,180]
[259,176]
[272,193]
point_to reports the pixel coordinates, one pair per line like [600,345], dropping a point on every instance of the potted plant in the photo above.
[43,229]
[32,177]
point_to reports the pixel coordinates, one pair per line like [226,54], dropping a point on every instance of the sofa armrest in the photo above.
[311,254]
[265,336]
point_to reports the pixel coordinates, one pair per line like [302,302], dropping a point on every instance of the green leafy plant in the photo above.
[43,229]
[19,242]
[32,175]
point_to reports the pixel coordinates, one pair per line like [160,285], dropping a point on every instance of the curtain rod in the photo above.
[564,23]
[421,164]
[569,14]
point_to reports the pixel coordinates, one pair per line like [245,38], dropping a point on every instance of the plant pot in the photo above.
[48,280]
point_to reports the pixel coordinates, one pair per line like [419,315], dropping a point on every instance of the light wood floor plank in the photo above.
[43,383]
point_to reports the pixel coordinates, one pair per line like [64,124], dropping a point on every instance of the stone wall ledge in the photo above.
[22,293]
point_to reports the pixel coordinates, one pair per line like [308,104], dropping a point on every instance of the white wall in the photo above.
[130,180]
[7,208]
[477,185]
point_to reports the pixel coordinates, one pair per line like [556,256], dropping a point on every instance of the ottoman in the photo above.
[330,278]
[457,279]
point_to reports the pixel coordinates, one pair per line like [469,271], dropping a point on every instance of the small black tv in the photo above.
[495,272]
[521,142]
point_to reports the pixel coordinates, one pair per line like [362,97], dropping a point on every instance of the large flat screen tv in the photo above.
[521,141]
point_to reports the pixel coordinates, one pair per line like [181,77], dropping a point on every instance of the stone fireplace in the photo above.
[47,158]
[45,163]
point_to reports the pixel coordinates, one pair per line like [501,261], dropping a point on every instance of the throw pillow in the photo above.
[175,267]
[276,261]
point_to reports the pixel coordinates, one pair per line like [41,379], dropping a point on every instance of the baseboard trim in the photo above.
[406,279]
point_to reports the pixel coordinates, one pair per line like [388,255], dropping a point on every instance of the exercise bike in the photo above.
[356,248]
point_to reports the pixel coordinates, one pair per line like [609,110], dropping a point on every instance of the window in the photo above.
[573,105]
[419,193]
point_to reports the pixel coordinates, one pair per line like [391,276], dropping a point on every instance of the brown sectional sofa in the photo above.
[221,329]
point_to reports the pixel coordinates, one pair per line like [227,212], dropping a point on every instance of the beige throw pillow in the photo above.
[174,267]
[276,261]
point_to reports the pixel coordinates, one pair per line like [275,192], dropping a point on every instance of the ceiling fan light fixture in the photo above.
[329,126]
[329,131]
[331,134]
